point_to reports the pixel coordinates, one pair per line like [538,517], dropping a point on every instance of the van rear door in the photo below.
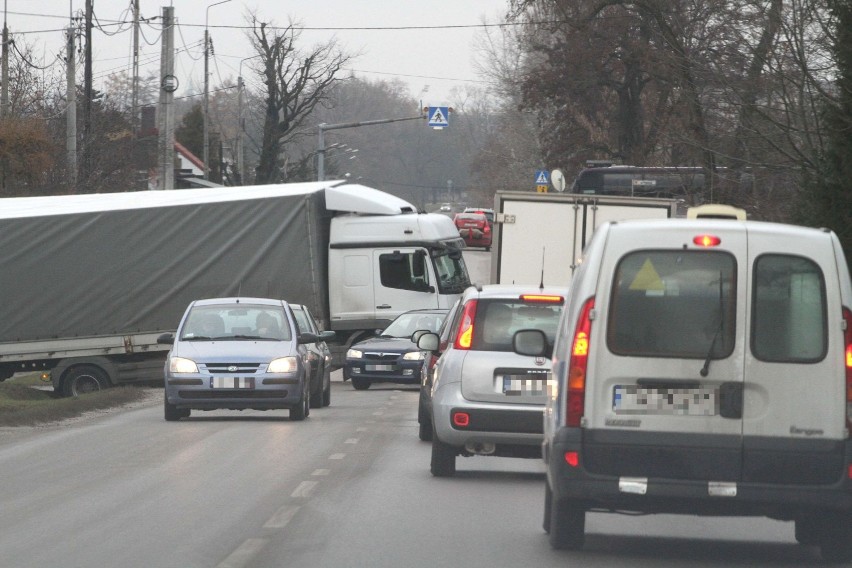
[794,398]
[666,353]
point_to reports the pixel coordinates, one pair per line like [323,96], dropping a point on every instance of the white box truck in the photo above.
[88,282]
[539,237]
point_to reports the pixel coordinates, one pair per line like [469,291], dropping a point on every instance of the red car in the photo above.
[475,229]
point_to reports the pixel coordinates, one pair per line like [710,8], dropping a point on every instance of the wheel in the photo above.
[835,537]
[326,392]
[425,422]
[548,500]
[360,384]
[567,524]
[316,397]
[443,458]
[303,409]
[84,379]
[173,413]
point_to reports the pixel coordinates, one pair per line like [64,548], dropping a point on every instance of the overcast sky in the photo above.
[430,61]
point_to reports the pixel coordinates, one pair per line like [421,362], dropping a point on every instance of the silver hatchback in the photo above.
[488,400]
[237,353]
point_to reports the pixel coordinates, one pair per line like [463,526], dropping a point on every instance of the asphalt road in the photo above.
[349,486]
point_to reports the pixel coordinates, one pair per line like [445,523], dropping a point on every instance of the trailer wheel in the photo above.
[84,379]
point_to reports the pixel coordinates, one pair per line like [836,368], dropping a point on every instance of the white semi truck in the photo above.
[88,282]
[539,237]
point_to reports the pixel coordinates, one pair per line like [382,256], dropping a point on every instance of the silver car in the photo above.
[237,354]
[486,399]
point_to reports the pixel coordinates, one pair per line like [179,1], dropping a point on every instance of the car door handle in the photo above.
[383,307]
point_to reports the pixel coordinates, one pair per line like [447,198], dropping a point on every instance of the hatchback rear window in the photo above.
[789,323]
[673,304]
[497,320]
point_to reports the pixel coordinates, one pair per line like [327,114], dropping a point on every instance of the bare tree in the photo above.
[295,81]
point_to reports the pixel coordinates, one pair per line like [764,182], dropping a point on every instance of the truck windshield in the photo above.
[450,270]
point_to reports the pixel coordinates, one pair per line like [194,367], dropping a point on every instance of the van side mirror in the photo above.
[166,339]
[427,341]
[532,342]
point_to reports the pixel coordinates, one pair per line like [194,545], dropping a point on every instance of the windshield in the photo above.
[236,322]
[407,324]
[451,272]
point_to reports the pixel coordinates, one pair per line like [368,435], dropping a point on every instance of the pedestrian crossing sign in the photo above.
[439,117]
[541,178]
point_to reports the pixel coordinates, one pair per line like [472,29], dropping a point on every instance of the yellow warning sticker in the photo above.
[647,279]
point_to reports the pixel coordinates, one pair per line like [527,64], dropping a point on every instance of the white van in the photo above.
[703,367]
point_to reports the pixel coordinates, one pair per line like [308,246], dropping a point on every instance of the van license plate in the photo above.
[513,386]
[631,399]
[232,382]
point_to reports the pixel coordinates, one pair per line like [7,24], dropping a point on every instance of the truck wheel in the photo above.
[84,379]
[443,458]
[360,384]
[567,524]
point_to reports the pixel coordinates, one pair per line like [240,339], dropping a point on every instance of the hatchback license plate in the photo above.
[379,367]
[232,382]
[631,399]
[514,386]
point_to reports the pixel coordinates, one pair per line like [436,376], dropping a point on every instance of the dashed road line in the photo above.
[351,441]
[304,489]
[321,472]
[243,554]
[281,517]
[336,456]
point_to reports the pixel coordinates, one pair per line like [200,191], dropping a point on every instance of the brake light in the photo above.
[572,458]
[542,298]
[847,336]
[577,365]
[464,335]
[707,240]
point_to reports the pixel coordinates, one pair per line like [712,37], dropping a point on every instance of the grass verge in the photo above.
[23,405]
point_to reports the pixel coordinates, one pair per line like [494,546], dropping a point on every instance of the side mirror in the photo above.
[166,339]
[308,337]
[327,335]
[415,337]
[427,341]
[532,342]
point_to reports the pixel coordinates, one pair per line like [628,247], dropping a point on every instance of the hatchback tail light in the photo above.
[847,360]
[464,335]
[577,365]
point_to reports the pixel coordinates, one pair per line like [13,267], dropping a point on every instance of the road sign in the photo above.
[439,117]
[541,177]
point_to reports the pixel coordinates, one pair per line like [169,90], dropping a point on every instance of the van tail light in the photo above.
[577,365]
[464,335]
[847,360]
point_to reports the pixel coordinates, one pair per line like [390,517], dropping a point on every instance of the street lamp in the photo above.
[207,89]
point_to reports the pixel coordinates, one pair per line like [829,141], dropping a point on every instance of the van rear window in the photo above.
[789,320]
[673,304]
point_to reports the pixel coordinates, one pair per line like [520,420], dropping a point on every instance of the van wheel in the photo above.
[567,524]
[424,421]
[807,531]
[443,458]
[326,393]
[548,500]
[835,538]
[360,384]
[84,379]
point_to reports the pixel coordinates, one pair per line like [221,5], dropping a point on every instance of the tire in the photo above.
[807,531]
[173,413]
[326,392]
[84,379]
[360,384]
[443,458]
[303,409]
[425,423]
[567,524]
[316,397]
[548,505]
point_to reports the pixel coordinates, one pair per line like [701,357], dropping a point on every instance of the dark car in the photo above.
[475,229]
[392,356]
[319,356]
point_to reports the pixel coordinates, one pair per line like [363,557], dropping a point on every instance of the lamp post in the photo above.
[207,90]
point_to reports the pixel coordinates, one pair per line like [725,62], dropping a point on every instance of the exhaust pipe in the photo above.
[480,448]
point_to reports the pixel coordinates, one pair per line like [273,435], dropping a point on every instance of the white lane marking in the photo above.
[304,489]
[281,517]
[361,429]
[321,472]
[351,441]
[379,413]
[394,397]
[243,554]
[336,456]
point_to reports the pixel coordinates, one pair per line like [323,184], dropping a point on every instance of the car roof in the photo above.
[513,291]
[426,311]
[240,300]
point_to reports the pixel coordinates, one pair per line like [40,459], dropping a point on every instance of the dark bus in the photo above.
[640,181]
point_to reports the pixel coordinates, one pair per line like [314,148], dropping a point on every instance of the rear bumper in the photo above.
[686,496]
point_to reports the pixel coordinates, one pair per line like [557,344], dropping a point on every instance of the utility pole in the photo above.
[166,111]
[71,111]
[240,128]
[4,96]
[87,93]
[134,115]
[207,46]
